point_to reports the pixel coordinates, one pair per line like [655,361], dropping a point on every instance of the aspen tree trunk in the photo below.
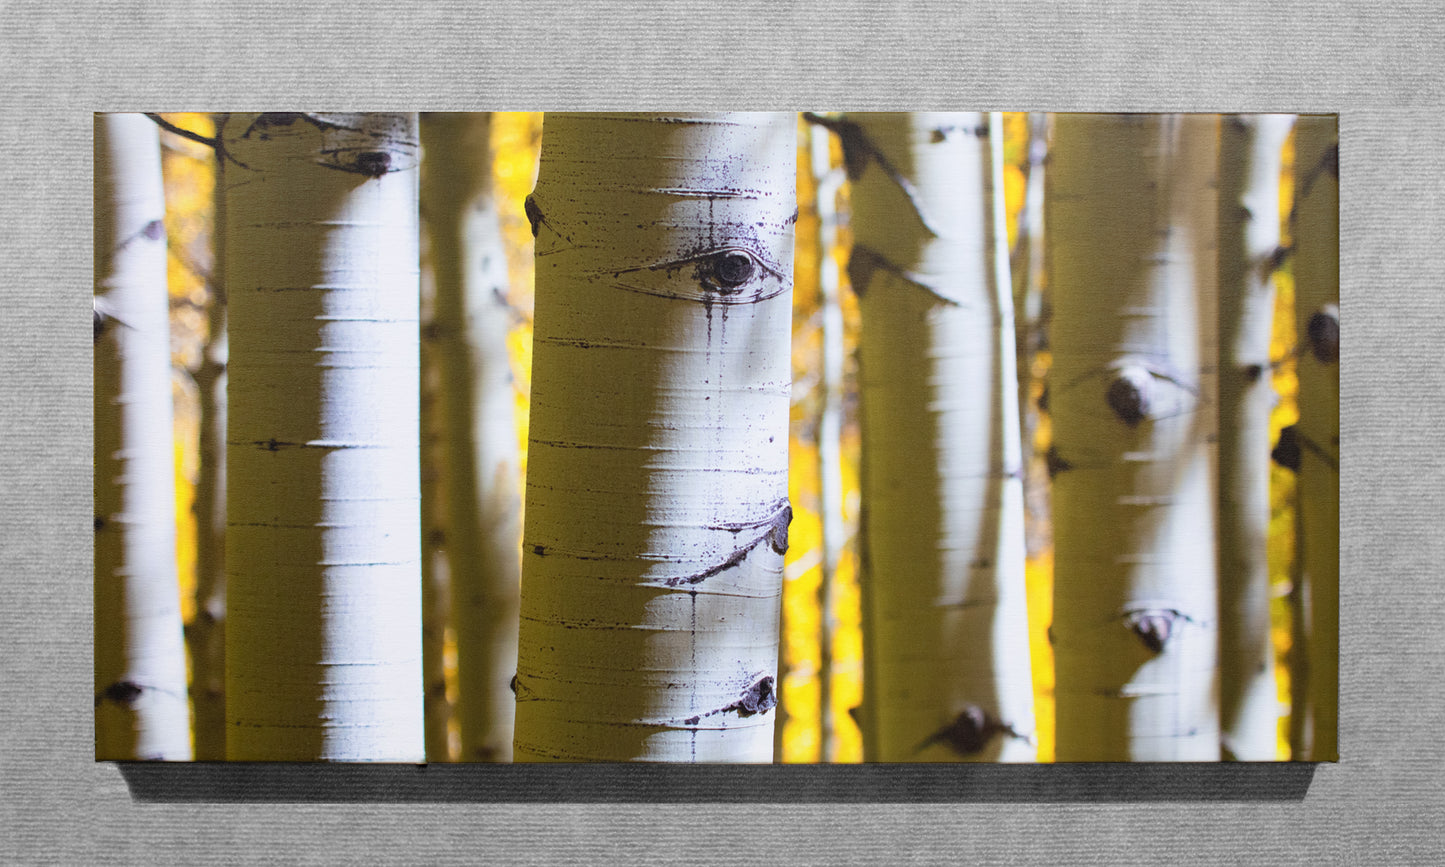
[323,656]
[1249,167]
[1030,329]
[1131,214]
[435,581]
[207,633]
[483,508]
[830,433]
[947,632]
[657,512]
[1317,315]
[141,710]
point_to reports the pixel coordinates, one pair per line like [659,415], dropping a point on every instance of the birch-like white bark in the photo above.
[141,710]
[483,503]
[435,581]
[1317,434]
[948,676]
[1030,328]
[206,634]
[1131,211]
[1249,236]
[657,512]
[830,432]
[323,655]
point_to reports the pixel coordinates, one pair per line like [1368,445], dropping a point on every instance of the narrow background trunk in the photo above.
[323,656]
[1131,211]
[483,508]
[949,676]
[1317,316]
[830,434]
[141,711]
[657,504]
[1249,168]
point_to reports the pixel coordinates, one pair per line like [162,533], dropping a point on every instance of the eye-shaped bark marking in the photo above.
[1141,389]
[723,275]
[1153,626]
[368,144]
[1323,330]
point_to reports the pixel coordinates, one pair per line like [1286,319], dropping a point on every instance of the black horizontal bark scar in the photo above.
[774,531]
[760,697]
[859,150]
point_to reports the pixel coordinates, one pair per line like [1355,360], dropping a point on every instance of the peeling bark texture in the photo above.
[1249,236]
[141,711]
[946,628]
[1317,315]
[483,502]
[657,480]
[323,595]
[206,634]
[1131,213]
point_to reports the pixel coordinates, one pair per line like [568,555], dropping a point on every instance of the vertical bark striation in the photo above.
[1317,317]
[141,711]
[657,511]
[323,582]
[483,508]
[948,676]
[1130,210]
[1249,167]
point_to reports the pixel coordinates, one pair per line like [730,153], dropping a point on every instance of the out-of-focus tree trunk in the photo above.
[483,509]
[141,710]
[1131,211]
[949,677]
[1249,168]
[1317,434]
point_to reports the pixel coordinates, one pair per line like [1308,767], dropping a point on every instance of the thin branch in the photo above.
[183,133]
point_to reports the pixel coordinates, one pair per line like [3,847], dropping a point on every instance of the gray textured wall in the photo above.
[1381,67]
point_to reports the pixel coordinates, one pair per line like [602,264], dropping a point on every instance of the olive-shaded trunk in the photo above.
[1317,436]
[947,638]
[1131,212]
[141,710]
[483,500]
[657,512]
[323,582]
[1249,236]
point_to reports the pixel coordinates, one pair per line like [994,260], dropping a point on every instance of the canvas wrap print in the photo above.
[718,437]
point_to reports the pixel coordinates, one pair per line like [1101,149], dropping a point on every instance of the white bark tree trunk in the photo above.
[657,512]
[1317,316]
[949,677]
[435,581]
[483,500]
[141,711]
[830,434]
[1249,168]
[323,656]
[1131,213]
[206,634]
